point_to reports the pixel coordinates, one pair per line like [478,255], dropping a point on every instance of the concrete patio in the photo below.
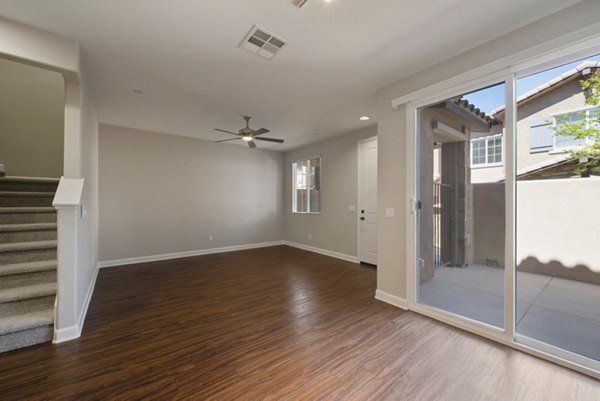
[559,312]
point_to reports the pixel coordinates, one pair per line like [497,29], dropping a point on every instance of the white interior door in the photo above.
[367,201]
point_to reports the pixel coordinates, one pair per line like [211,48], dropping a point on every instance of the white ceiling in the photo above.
[183,55]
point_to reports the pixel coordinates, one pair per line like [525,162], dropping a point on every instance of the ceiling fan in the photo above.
[249,135]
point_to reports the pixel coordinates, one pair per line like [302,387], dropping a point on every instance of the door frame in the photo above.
[358,187]
[507,70]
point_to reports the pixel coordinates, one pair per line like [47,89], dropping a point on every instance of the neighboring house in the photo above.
[540,153]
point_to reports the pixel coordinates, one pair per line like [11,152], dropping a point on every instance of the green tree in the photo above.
[587,126]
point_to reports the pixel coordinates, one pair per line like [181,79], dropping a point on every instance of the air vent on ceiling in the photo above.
[262,43]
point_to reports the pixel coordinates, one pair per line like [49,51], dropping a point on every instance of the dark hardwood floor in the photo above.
[270,324]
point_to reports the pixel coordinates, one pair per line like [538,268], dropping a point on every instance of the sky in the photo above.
[490,98]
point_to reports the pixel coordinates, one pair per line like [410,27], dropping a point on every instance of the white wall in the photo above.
[88,250]
[32,102]
[392,133]
[335,229]
[163,194]
[40,48]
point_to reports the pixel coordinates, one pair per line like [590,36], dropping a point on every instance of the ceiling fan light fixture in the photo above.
[247,138]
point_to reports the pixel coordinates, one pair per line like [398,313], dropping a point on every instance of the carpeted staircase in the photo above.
[27,261]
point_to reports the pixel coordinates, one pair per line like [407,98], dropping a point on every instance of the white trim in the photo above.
[73,332]
[333,254]
[412,129]
[358,181]
[66,334]
[185,254]
[391,299]
[509,144]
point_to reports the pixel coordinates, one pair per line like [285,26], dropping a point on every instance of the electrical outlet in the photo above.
[210,238]
[309,236]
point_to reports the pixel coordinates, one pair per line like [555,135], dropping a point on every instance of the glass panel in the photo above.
[494,150]
[300,186]
[558,223]
[461,222]
[478,152]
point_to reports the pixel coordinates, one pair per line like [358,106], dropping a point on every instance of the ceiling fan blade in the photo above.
[226,140]
[261,131]
[270,140]
[251,144]
[227,132]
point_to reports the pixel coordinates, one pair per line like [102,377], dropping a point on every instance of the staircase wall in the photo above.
[32,124]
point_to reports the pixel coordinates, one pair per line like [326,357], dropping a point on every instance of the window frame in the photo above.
[485,139]
[308,188]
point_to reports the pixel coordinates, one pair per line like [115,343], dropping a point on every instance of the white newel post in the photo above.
[67,202]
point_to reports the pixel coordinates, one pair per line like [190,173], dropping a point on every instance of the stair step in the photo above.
[27,267]
[27,246]
[27,227]
[20,252]
[26,321]
[21,215]
[26,338]
[27,232]
[27,209]
[24,306]
[29,184]
[18,198]
[28,279]
[27,292]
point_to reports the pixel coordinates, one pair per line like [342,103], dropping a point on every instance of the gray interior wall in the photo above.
[392,133]
[335,229]
[32,102]
[162,194]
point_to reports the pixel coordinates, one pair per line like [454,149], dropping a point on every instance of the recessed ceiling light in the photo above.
[364,118]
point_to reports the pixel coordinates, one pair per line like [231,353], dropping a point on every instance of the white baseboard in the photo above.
[391,299]
[66,334]
[325,252]
[185,254]
[73,332]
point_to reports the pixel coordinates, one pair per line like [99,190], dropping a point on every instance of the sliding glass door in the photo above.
[507,188]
